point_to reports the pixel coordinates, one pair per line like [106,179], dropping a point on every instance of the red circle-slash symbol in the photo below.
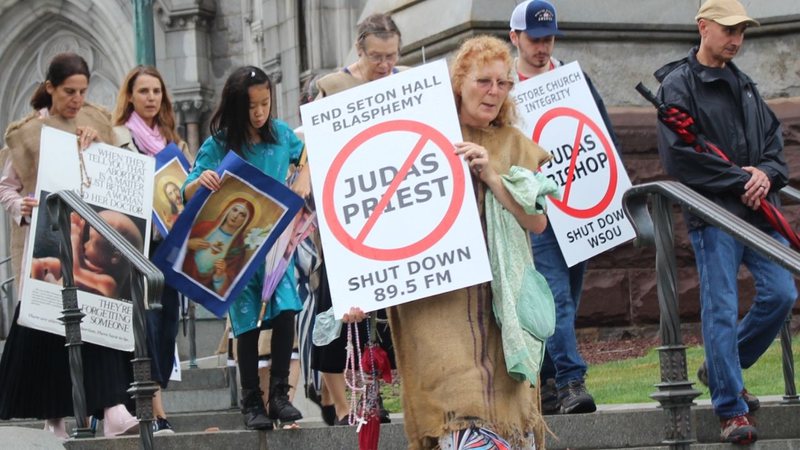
[356,244]
[583,121]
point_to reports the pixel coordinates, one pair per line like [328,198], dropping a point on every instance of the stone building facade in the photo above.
[199,42]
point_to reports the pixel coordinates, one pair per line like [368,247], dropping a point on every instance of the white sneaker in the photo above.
[117,420]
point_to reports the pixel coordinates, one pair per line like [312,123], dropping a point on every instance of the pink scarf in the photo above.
[148,140]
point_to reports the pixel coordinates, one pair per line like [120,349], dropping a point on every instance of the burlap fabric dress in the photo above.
[448,347]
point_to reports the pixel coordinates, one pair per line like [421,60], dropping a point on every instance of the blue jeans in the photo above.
[562,360]
[730,347]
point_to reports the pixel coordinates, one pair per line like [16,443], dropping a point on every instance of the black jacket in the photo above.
[747,132]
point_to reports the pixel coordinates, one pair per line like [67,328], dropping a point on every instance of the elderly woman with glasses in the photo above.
[456,385]
[378,47]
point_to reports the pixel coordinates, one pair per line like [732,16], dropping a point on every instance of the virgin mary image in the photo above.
[216,249]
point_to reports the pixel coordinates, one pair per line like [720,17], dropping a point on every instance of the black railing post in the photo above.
[143,388]
[675,392]
[192,334]
[230,373]
[59,218]
[60,205]
[787,360]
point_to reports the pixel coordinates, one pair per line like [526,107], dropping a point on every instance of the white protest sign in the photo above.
[119,185]
[559,113]
[397,214]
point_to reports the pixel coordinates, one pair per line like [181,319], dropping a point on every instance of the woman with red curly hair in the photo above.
[456,386]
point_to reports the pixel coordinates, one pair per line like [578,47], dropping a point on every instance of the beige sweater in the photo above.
[22,146]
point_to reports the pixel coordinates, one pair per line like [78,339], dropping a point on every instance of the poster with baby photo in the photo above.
[171,171]
[118,185]
[221,238]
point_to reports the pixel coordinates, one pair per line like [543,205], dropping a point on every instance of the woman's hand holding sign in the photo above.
[86,135]
[26,207]
[354,316]
[477,158]
[209,179]
[302,184]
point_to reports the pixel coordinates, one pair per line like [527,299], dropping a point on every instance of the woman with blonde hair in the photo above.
[143,117]
[144,122]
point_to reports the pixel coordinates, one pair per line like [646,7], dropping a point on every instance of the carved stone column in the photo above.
[192,113]
[187,27]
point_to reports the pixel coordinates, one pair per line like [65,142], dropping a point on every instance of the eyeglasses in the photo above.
[487,83]
[378,58]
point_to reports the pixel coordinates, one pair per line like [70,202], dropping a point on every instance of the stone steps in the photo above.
[202,401]
[201,389]
[208,332]
[612,427]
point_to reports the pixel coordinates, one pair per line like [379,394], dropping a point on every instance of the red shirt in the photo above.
[523,77]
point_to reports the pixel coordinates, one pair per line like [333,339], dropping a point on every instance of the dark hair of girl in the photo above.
[62,66]
[231,121]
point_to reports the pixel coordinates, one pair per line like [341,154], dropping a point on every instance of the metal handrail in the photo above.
[147,283]
[675,392]
[7,291]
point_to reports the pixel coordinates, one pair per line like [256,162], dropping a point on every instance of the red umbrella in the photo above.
[377,357]
[374,360]
[369,434]
[684,125]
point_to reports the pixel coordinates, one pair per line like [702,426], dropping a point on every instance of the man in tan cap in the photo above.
[730,113]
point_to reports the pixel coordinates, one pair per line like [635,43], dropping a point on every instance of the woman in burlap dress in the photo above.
[456,387]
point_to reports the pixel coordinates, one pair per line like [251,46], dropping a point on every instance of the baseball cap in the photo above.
[727,13]
[536,17]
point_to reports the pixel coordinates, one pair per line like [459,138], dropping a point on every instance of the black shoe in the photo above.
[255,415]
[329,414]
[575,400]
[343,422]
[550,404]
[280,408]
[162,426]
[313,395]
[702,373]
[752,401]
[383,414]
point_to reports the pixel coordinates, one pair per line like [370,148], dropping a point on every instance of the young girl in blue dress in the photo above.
[242,124]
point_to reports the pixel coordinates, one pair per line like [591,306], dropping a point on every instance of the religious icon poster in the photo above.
[172,168]
[221,238]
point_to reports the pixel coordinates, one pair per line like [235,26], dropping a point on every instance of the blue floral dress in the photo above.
[273,160]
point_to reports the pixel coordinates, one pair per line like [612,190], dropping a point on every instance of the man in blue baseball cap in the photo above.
[533,31]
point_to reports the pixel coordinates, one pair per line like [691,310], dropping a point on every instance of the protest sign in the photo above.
[397,214]
[171,171]
[118,184]
[559,113]
[221,238]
